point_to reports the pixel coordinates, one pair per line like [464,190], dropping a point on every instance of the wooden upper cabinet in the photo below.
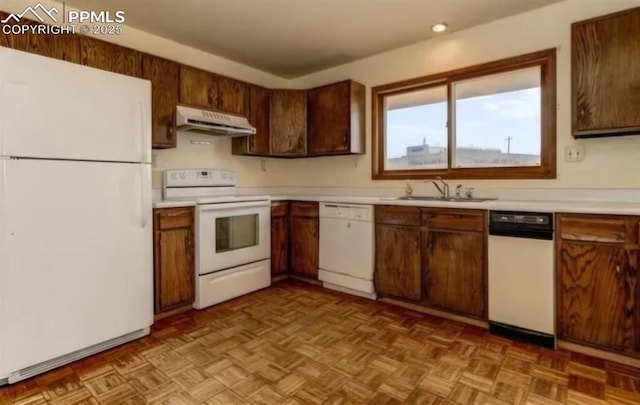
[288,123]
[164,76]
[259,106]
[233,96]
[336,116]
[63,47]
[198,88]
[605,77]
[258,115]
[111,57]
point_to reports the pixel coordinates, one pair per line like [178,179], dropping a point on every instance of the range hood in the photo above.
[212,122]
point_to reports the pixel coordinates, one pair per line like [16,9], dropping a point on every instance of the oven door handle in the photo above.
[231,206]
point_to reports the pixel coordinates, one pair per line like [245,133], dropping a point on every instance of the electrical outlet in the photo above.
[574,153]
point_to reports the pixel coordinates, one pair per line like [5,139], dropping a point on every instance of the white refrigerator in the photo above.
[76,271]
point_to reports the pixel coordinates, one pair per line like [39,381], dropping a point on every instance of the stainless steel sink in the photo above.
[450,199]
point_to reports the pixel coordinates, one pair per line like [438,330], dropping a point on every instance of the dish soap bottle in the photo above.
[408,190]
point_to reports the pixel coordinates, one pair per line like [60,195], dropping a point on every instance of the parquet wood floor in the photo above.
[299,344]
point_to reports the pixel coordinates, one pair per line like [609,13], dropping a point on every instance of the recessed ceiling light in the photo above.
[440,27]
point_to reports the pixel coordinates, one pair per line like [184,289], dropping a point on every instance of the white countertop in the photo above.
[595,207]
[592,207]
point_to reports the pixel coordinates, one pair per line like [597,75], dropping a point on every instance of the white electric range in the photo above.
[233,233]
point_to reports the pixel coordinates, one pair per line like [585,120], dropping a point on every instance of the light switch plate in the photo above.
[574,153]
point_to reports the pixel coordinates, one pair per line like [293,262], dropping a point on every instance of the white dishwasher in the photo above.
[522,276]
[346,248]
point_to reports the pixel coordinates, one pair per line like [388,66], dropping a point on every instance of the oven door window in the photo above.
[236,232]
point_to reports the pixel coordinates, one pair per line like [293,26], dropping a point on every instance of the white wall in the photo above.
[609,163]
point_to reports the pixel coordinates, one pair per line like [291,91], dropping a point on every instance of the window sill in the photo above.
[493,173]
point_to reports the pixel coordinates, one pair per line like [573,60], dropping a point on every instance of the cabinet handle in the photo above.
[618,269]
[582,112]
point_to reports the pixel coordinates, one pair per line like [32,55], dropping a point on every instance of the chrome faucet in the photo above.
[444,189]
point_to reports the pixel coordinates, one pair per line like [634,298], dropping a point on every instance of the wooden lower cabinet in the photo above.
[597,281]
[436,257]
[279,238]
[174,266]
[596,307]
[305,237]
[454,272]
[397,261]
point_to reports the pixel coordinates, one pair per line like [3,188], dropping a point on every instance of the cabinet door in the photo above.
[258,115]
[259,118]
[63,47]
[397,261]
[111,57]
[596,295]
[164,76]
[279,245]
[454,269]
[304,246]
[175,278]
[288,122]
[232,96]
[198,88]
[329,111]
[605,56]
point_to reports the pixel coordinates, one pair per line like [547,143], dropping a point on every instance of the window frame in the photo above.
[545,59]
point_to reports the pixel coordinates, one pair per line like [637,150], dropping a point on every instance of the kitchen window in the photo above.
[492,121]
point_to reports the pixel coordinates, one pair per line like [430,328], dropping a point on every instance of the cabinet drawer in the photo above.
[171,218]
[455,219]
[304,209]
[280,209]
[398,215]
[597,228]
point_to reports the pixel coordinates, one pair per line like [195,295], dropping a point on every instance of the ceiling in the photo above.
[290,38]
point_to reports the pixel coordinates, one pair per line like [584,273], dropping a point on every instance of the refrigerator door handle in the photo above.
[144,195]
[143,134]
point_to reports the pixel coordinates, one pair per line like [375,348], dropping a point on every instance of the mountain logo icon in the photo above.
[37,11]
